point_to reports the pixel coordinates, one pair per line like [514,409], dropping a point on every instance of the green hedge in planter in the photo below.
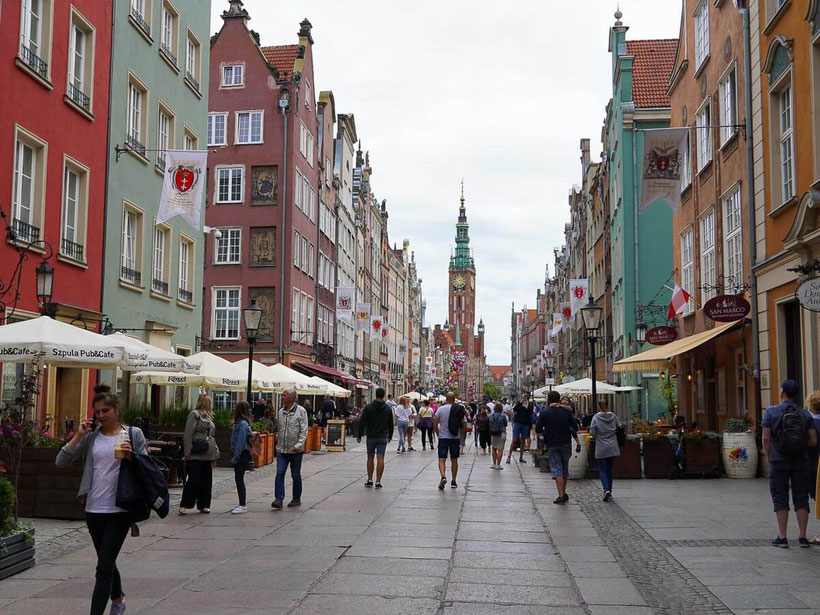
[16,539]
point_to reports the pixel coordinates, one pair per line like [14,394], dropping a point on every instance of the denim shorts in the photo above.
[521,431]
[376,446]
[559,460]
[448,445]
[786,473]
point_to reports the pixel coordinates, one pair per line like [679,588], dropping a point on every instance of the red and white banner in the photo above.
[363,317]
[578,295]
[182,186]
[662,166]
[679,300]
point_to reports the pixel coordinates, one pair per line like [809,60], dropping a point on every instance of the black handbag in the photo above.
[199,447]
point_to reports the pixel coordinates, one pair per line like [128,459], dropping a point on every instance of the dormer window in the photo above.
[233,75]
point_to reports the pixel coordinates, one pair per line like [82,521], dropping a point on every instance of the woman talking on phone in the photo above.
[103,448]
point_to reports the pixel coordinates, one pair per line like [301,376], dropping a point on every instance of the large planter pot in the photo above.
[16,553]
[658,458]
[314,438]
[628,463]
[740,455]
[271,444]
[578,462]
[701,456]
[223,441]
[46,491]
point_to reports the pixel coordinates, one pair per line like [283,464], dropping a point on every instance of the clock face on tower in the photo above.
[459,281]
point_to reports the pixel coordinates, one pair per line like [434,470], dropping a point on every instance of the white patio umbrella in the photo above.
[214,372]
[157,360]
[584,386]
[331,389]
[415,395]
[291,379]
[271,377]
[48,341]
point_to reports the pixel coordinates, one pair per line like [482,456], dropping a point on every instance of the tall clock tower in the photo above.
[461,308]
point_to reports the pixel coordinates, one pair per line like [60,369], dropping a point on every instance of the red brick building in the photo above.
[263,197]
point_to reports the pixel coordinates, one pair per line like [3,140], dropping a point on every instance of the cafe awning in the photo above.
[659,356]
[320,369]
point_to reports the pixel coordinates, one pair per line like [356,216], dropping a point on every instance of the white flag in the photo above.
[578,295]
[363,317]
[557,323]
[344,303]
[182,186]
[403,348]
[662,165]
[529,370]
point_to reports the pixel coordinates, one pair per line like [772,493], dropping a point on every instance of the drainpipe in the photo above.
[637,279]
[750,177]
[282,203]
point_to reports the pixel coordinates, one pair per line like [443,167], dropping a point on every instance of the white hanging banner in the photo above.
[662,166]
[182,186]
[578,295]
[363,317]
[376,326]
[344,303]
[557,323]
[403,348]
[416,354]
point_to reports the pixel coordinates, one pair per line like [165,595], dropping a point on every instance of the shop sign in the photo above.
[659,336]
[808,294]
[727,308]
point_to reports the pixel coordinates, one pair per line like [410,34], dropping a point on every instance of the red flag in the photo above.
[679,300]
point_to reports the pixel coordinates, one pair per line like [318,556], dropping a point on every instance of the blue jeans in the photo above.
[282,462]
[402,427]
[605,471]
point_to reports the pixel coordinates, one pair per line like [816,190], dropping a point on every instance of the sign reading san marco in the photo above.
[727,308]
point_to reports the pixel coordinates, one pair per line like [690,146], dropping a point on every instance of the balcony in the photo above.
[134,143]
[159,286]
[161,161]
[23,231]
[77,95]
[71,250]
[165,48]
[33,61]
[186,295]
[140,21]
[132,276]
[190,77]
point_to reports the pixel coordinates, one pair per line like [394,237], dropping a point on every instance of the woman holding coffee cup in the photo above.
[201,453]
[103,450]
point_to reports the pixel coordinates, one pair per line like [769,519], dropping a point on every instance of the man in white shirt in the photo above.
[403,411]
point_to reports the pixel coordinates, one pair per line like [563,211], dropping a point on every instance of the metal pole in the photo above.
[251,341]
[750,180]
[282,203]
[594,383]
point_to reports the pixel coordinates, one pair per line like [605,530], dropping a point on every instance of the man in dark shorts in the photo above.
[558,426]
[376,423]
[448,443]
[789,466]
[522,424]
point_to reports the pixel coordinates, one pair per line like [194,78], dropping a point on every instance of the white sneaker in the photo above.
[238,510]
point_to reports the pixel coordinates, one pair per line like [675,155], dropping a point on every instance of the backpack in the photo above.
[496,423]
[455,419]
[790,431]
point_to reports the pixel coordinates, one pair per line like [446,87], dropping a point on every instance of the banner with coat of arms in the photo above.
[557,323]
[376,325]
[182,186]
[578,295]
[344,303]
[662,166]
[402,348]
[363,317]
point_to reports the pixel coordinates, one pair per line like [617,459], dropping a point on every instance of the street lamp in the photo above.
[45,283]
[640,332]
[550,368]
[251,316]
[591,314]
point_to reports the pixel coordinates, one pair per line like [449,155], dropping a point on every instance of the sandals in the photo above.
[369,483]
[815,541]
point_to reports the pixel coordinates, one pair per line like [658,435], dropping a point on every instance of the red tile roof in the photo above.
[282,57]
[499,371]
[654,61]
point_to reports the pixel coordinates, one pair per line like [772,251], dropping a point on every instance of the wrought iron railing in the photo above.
[166,51]
[186,295]
[140,21]
[159,286]
[23,231]
[71,250]
[161,161]
[132,276]
[77,95]
[135,144]
[34,61]
[192,80]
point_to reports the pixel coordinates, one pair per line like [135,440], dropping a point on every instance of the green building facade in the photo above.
[152,280]
[642,258]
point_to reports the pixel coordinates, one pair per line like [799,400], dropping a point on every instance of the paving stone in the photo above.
[586,554]
[595,570]
[21,588]
[356,605]
[279,580]
[759,597]
[532,548]
[538,578]
[511,594]
[478,608]
[503,535]
[400,552]
[384,585]
[610,591]
[507,561]
[374,565]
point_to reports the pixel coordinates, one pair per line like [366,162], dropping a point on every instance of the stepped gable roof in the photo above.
[499,371]
[654,61]
[283,57]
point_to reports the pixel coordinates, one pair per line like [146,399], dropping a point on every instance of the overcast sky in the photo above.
[497,93]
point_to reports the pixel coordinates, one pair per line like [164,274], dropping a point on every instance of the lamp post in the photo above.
[550,368]
[45,283]
[640,332]
[592,322]
[251,316]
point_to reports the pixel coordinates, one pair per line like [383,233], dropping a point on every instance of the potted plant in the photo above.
[739,449]
[658,453]
[701,453]
[16,539]
[628,463]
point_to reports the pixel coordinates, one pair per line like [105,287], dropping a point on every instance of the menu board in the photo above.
[335,436]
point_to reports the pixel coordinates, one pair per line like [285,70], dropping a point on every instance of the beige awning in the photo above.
[659,356]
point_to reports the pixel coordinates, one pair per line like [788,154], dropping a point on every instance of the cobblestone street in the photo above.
[496,545]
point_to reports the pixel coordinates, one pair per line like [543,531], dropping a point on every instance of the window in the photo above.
[703,122]
[701,33]
[708,275]
[226,313]
[137,117]
[309,309]
[327,222]
[131,255]
[165,136]
[169,39]
[80,62]
[304,260]
[186,263]
[297,242]
[294,317]
[190,139]
[303,133]
[728,106]
[687,268]
[192,60]
[311,260]
[75,182]
[305,206]
[159,280]
[29,186]
[310,149]
[232,75]
[686,165]
[733,243]
[784,99]
[297,190]
[216,128]
[35,35]
[248,127]
[230,184]
[308,96]
[227,248]
[141,15]
[312,205]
